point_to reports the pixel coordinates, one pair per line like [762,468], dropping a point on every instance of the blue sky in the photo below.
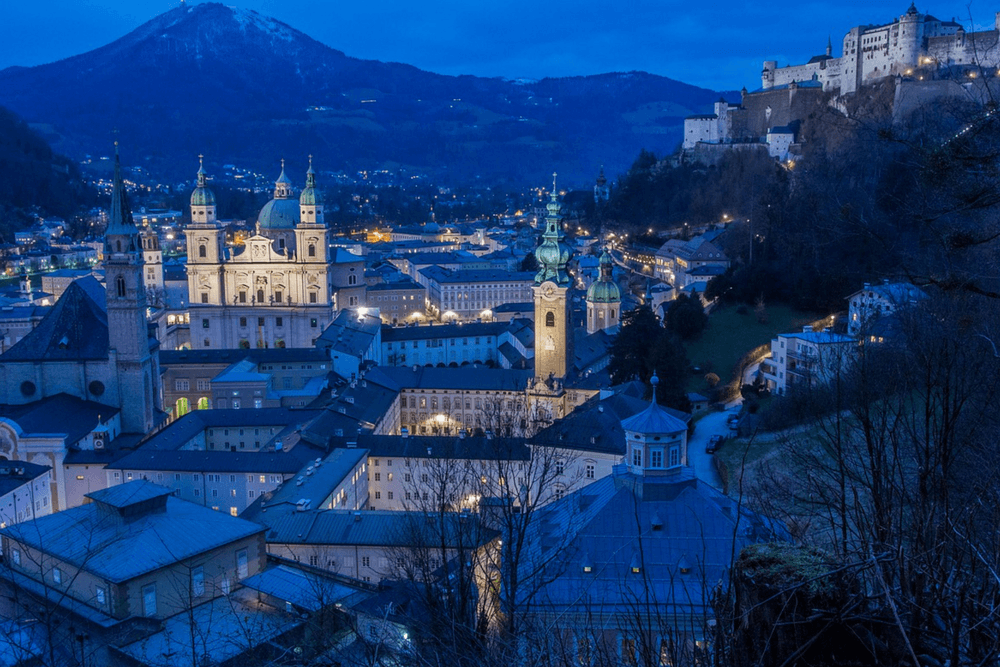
[718,45]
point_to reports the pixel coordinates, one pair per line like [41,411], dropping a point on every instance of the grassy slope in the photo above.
[730,335]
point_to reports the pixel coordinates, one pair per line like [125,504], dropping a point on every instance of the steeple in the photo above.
[202,196]
[604,299]
[283,186]
[126,312]
[310,202]
[829,46]
[122,234]
[553,254]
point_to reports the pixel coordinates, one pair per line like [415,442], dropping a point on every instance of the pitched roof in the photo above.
[103,543]
[660,525]
[75,329]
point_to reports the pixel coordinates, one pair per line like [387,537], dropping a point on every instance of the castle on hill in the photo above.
[908,44]
[918,48]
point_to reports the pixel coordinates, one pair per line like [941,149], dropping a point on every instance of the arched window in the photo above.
[120,286]
[118,245]
[352,279]
[312,250]
[202,251]
[260,296]
[550,319]
[183,407]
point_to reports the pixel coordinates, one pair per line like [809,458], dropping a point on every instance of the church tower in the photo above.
[604,299]
[126,306]
[311,231]
[553,333]
[205,248]
[602,191]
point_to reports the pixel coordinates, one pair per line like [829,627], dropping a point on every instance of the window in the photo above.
[202,251]
[313,323]
[366,561]
[57,575]
[182,385]
[279,321]
[204,297]
[656,458]
[198,581]
[232,510]
[352,279]
[675,457]
[312,250]
[243,296]
[101,596]
[120,286]
[550,319]
[242,566]
[390,495]
[312,297]
[636,455]
[590,471]
[149,600]
[243,321]
[378,477]
[560,467]
[204,325]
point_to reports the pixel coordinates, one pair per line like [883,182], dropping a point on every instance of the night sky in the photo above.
[718,45]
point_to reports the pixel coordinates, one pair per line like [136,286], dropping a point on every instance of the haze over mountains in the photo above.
[243,88]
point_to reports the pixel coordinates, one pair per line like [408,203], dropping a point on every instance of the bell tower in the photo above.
[126,306]
[553,284]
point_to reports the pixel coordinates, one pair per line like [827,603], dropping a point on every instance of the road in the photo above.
[711,424]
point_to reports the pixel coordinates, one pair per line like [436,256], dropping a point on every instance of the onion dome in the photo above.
[605,289]
[553,254]
[282,212]
[310,196]
[202,196]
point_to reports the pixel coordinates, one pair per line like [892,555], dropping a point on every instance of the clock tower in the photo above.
[553,335]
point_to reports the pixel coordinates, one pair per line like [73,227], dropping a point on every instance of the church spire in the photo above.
[283,186]
[121,226]
[553,253]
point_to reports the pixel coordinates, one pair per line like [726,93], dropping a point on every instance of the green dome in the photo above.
[202,197]
[604,292]
[310,197]
[279,214]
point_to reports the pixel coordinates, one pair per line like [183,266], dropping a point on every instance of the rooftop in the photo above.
[95,540]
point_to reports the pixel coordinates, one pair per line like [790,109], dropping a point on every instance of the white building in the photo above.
[274,291]
[804,359]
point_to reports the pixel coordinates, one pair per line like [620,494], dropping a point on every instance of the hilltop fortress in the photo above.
[919,49]
[912,42]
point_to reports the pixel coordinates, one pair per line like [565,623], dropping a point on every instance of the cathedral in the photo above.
[273,291]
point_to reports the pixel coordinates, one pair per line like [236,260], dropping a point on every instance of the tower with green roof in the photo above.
[604,299]
[552,295]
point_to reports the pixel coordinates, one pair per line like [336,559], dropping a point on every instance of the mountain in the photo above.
[248,89]
[35,179]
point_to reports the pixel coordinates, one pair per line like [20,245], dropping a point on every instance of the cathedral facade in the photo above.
[274,291]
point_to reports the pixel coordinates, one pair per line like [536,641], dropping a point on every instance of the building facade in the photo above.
[276,289]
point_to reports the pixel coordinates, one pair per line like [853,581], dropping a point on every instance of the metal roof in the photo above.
[117,550]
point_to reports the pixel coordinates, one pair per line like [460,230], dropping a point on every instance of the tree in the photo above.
[686,317]
[529,263]
[643,347]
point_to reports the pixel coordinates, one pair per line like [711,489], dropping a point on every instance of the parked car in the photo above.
[713,444]
[733,422]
